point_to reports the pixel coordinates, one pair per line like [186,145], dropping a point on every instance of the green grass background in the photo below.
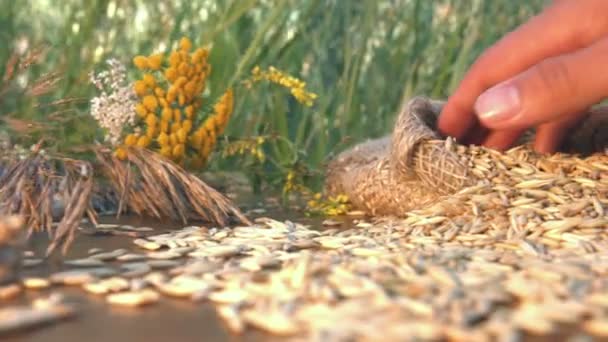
[362,57]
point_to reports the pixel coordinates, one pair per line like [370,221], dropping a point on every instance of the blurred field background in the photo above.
[362,58]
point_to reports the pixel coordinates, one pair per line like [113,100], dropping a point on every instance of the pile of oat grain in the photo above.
[524,251]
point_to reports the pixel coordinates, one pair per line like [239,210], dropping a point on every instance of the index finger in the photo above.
[557,30]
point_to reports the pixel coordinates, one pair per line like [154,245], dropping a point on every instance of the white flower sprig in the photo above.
[114,108]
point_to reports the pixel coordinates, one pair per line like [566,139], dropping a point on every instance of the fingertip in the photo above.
[443,124]
[549,137]
[502,140]
[455,121]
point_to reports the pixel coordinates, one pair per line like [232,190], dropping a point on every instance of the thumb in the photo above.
[549,90]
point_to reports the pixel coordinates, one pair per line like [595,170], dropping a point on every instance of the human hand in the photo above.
[545,74]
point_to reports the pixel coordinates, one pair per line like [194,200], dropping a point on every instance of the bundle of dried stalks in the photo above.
[42,189]
[415,166]
[149,184]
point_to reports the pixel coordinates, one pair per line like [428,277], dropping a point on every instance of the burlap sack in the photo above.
[413,167]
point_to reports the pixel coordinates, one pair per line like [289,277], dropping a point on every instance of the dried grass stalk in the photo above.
[415,166]
[18,63]
[37,187]
[149,184]
[77,197]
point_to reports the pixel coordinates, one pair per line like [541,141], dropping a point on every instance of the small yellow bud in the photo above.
[164,125]
[261,156]
[171,95]
[189,110]
[150,102]
[167,114]
[151,132]
[190,88]
[171,74]
[256,71]
[180,82]
[159,92]
[177,115]
[181,135]
[175,126]
[165,151]
[183,69]
[209,124]
[196,140]
[141,110]
[187,125]
[143,141]
[212,136]
[199,87]
[131,140]
[155,61]
[121,153]
[163,139]
[149,80]
[151,120]
[178,150]
[173,139]
[185,44]
[140,62]
[140,88]
[198,55]
[205,151]
[174,59]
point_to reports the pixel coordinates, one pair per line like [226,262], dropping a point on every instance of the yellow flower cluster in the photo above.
[292,183]
[251,146]
[331,206]
[169,100]
[204,138]
[295,86]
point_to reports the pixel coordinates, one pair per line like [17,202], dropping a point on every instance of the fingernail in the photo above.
[497,104]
